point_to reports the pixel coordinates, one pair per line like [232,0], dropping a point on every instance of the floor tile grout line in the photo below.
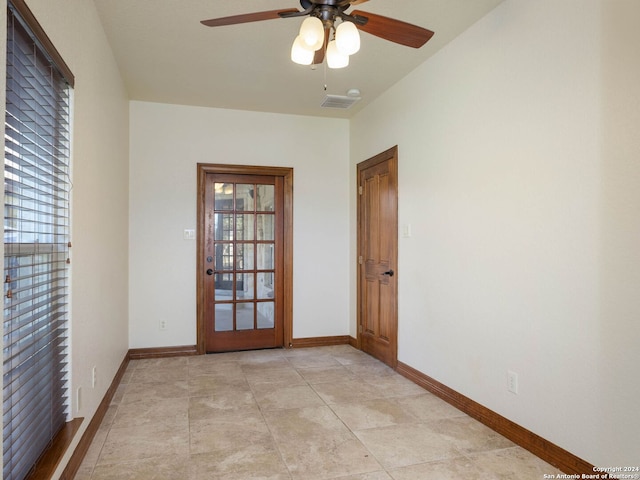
[353,433]
[325,404]
[275,442]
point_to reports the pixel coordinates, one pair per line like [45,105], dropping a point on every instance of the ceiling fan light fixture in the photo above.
[300,53]
[312,33]
[347,38]
[312,46]
[336,59]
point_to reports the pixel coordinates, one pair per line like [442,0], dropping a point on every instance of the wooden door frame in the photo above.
[287,176]
[390,154]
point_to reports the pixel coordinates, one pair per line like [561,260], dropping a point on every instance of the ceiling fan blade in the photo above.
[246,18]
[319,56]
[357,2]
[394,30]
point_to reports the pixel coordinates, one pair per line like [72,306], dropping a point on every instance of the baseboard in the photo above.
[321,341]
[162,352]
[87,437]
[546,450]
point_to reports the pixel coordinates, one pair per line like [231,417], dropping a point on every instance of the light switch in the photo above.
[406,230]
[189,234]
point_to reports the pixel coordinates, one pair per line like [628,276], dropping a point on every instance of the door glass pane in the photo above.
[265,256]
[223,287]
[265,226]
[244,316]
[223,195]
[224,317]
[223,226]
[244,286]
[266,314]
[224,256]
[265,285]
[244,197]
[244,258]
[244,227]
[265,198]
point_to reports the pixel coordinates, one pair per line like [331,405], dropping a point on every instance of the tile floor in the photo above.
[316,413]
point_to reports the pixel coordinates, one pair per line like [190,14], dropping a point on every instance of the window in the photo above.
[36,236]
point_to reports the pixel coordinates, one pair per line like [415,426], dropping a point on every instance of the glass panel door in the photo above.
[245,266]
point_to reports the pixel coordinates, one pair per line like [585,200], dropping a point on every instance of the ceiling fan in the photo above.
[327,17]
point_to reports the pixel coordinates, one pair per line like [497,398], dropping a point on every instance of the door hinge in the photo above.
[360,190]
[360,259]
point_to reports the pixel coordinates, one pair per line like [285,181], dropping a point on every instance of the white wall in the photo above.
[619,232]
[99,199]
[518,171]
[167,141]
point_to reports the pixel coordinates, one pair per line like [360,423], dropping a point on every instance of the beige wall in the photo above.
[518,172]
[167,142]
[99,289]
[619,232]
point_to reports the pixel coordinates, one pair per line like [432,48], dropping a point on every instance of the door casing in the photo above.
[287,176]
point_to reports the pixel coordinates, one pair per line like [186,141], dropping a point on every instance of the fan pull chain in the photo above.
[324,65]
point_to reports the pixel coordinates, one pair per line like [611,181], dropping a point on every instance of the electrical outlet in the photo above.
[512,381]
[94,378]
[162,325]
[78,398]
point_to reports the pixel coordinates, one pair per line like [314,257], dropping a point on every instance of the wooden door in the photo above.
[378,252]
[242,274]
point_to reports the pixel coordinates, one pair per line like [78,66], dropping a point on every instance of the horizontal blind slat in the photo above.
[25,337]
[49,346]
[26,369]
[19,292]
[22,145]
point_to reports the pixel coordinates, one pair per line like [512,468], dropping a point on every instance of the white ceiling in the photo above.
[165,55]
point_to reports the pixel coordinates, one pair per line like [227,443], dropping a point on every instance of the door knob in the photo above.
[209,271]
[390,273]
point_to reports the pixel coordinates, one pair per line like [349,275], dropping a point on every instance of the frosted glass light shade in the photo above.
[300,53]
[312,33]
[347,38]
[336,59]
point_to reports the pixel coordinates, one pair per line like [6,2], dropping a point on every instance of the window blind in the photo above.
[36,236]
